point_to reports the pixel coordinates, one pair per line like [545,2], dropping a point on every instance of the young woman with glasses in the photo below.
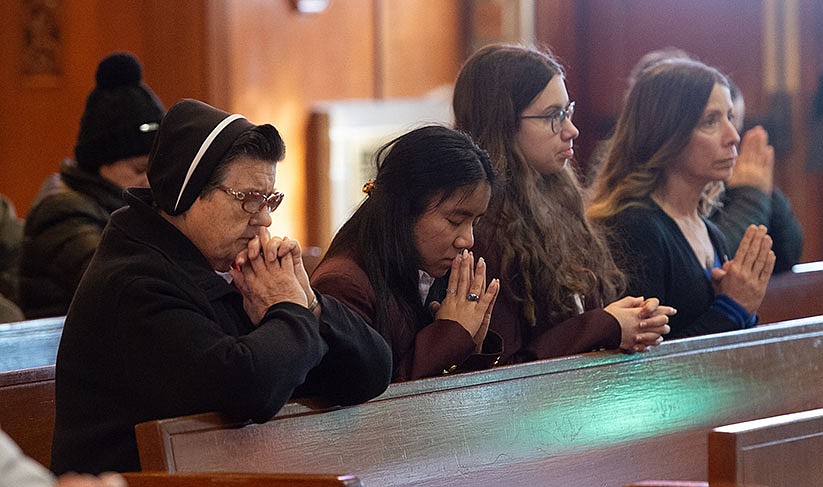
[559,282]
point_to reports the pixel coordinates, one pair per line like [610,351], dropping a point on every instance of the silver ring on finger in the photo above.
[451,291]
[472,297]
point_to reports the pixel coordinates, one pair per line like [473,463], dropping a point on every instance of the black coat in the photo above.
[154,332]
[746,205]
[62,231]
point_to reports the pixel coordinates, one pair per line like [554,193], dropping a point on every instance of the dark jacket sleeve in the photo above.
[742,206]
[786,233]
[592,330]
[357,366]
[442,345]
[202,367]
[62,234]
[747,205]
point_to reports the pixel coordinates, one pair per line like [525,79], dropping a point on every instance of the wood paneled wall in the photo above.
[39,121]
[259,58]
[276,63]
[600,40]
[271,63]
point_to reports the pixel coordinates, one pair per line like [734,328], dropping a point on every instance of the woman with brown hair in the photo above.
[559,283]
[674,146]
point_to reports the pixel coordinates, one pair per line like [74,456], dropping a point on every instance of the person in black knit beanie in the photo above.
[71,209]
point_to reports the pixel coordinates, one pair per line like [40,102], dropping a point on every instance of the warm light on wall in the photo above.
[288,116]
[310,6]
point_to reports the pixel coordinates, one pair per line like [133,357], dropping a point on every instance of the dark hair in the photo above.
[415,172]
[547,245]
[662,110]
[494,87]
[261,142]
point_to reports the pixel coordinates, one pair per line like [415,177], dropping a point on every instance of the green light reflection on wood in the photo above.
[619,411]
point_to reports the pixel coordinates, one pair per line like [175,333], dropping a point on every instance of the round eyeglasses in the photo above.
[556,118]
[253,201]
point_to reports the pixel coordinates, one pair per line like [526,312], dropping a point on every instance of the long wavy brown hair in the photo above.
[663,108]
[547,243]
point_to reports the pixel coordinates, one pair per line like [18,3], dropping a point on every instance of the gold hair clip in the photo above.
[369,186]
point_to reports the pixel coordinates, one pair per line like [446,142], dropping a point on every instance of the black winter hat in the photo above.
[192,140]
[122,115]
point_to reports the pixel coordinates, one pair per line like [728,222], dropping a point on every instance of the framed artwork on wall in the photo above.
[42,46]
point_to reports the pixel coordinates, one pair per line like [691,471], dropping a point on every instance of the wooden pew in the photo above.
[28,350]
[781,451]
[778,451]
[594,419]
[160,479]
[668,483]
[795,294]
[32,343]
[27,409]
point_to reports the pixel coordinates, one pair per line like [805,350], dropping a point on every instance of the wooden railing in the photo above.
[32,343]
[27,409]
[777,451]
[781,451]
[159,479]
[792,295]
[595,419]
[28,350]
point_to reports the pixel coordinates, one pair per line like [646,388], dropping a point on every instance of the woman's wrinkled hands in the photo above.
[267,272]
[642,322]
[285,246]
[744,278]
[468,300]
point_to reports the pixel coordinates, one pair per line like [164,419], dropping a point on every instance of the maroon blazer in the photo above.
[595,329]
[441,347]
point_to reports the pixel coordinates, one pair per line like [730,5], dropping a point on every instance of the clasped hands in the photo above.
[270,271]
[468,300]
[643,322]
[744,278]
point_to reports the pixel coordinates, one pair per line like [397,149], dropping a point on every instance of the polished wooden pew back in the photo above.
[160,479]
[594,419]
[27,409]
[28,350]
[792,295]
[781,451]
[32,343]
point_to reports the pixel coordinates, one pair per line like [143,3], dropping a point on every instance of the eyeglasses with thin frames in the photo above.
[556,118]
[253,201]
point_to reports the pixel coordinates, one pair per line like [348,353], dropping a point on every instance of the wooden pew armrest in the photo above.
[668,483]
[214,479]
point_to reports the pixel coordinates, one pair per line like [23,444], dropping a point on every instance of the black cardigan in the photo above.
[659,262]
